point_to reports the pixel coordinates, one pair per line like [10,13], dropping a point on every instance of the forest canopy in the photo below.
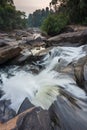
[65,12]
[10,18]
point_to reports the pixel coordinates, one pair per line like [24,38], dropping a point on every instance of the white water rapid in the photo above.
[43,88]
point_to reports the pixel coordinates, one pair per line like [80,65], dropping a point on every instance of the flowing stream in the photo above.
[43,88]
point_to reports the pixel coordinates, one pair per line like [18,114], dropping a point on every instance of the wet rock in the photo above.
[67,29]
[85,71]
[85,49]
[85,75]
[80,71]
[1,93]
[2,43]
[7,53]
[25,105]
[6,113]
[25,59]
[67,113]
[69,70]
[32,119]
[22,33]
[29,39]
[35,41]
[36,120]
[68,39]
[20,60]
[38,37]
[2,34]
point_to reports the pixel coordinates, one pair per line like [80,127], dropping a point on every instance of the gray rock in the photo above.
[7,53]
[6,113]
[2,43]
[71,38]
[67,113]
[80,72]
[25,105]
[36,120]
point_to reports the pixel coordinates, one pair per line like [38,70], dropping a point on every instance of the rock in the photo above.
[85,49]
[1,93]
[2,43]
[68,39]
[29,39]
[25,59]
[25,105]
[44,51]
[2,34]
[20,60]
[38,37]
[7,53]
[12,124]
[32,119]
[85,71]
[34,41]
[78,27]
[80,71]
[22,33]
[69,70]
[5,41]
[67,29]
[85,75]
[68,113]
[36,120]
[6,113]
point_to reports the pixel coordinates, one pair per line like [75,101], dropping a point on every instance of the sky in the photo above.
[29,6]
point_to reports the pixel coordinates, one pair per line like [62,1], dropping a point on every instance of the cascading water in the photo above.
[43,88]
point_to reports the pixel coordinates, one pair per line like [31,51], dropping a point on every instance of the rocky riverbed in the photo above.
[43,80]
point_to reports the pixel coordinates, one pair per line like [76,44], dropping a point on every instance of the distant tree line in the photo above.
[10,18]
[37,18]
[66,12]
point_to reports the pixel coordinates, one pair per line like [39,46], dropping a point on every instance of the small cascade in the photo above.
[42,89]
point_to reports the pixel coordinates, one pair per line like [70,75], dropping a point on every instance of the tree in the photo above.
[65,12]
[38,16]
[76,9]
[10,18]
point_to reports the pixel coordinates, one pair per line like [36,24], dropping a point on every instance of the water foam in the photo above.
[43,88]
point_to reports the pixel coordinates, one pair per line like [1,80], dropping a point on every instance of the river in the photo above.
[43,88]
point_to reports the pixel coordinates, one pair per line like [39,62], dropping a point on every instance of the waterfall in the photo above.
[42,89]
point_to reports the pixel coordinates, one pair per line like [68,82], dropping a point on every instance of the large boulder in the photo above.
[9,52]
[25,105]
[2,43]
[80,72]
[68,113]
[68,39]
[32,119]
[6,113]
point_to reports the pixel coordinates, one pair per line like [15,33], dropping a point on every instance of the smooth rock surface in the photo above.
[7,53]
[32,119]
[25,105]
[6,113]
[67,113]
[68,39]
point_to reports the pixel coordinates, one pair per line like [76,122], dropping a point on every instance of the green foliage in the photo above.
[10,18]
[76,9]
[65,11]
[54,23]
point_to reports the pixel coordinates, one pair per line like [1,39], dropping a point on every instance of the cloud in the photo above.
[29,6]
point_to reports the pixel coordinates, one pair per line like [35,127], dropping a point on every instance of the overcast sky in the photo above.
[29,6]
